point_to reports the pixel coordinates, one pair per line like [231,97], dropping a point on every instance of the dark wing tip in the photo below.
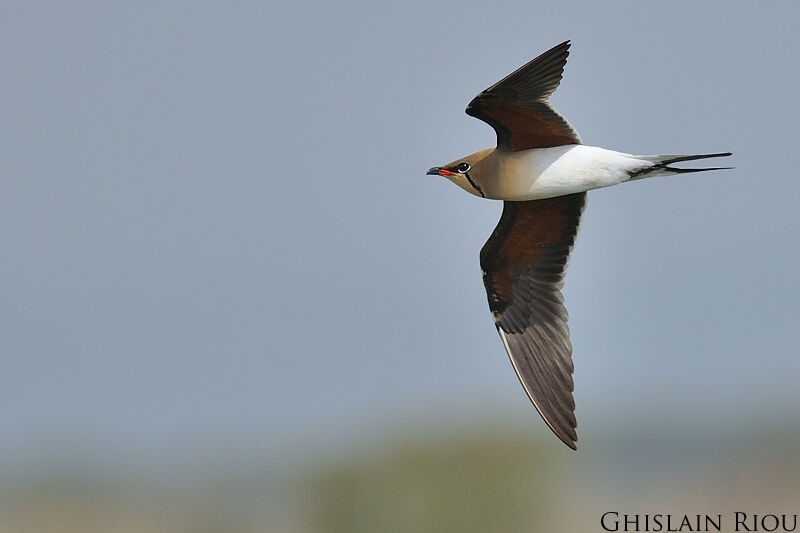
[563,46]
[539,77]
[570,440]
[553,402]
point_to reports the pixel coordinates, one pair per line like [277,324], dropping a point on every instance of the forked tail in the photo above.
[661,164]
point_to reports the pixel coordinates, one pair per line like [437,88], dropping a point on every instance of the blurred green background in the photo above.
[488,477]
[231,300]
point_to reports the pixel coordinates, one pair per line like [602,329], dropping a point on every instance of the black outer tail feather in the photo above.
[687,170]
[663,164]
[679,158]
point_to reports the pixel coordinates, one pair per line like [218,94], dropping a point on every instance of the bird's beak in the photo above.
[438,171]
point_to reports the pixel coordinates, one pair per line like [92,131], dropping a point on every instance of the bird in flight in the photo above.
[541,171]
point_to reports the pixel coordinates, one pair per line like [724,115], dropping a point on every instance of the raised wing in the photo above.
[516,106]
[523,265]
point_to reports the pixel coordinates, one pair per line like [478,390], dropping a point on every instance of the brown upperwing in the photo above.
[524,263]
[516,106]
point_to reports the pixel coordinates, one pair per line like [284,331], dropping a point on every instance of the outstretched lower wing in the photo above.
[523,265]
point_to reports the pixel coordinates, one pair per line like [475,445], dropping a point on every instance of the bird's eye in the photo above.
[462,167]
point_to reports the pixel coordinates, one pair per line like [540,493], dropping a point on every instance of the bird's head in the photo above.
[465,172]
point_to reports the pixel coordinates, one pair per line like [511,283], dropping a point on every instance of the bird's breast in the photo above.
[548,172]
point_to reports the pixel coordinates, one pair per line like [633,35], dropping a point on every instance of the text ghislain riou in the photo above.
[737,522]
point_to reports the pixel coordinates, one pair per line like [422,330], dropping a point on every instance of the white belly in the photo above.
[548,172]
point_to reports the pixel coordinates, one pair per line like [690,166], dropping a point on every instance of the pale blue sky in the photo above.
[216,222]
